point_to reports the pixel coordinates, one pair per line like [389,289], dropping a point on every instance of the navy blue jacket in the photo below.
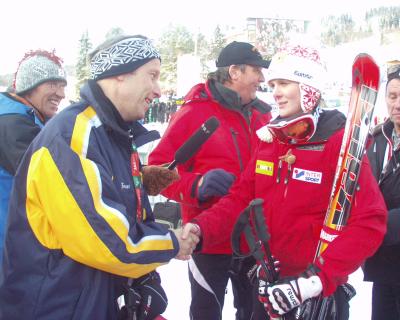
[383,267]
[73,238]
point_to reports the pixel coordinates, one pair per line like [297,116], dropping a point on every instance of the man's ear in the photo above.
[234,72]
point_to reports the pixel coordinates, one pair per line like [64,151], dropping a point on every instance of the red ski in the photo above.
[362,101]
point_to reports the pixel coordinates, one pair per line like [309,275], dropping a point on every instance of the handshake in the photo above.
[188,238]
[155,179]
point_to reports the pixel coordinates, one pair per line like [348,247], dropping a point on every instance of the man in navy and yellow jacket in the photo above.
[80,228]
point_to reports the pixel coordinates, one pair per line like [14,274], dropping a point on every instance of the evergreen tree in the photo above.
[341,29]
[203,51]
[272,34]
[175,41]
[82,66]
[113,32]
[217,43]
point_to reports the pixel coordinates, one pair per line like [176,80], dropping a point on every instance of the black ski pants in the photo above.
[385,301]
[209,275]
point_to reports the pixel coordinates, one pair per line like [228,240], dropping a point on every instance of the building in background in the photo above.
[268,34]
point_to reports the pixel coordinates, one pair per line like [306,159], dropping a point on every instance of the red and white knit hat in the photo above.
[303,65]
[298,63]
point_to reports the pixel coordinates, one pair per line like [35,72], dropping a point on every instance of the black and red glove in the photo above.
[266,277]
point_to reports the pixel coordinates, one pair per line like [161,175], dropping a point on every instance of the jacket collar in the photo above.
[390,133]
[27,103]
[329,122]
[231,100]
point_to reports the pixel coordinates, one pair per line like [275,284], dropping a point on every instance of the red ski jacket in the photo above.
[295,209]
[229,147]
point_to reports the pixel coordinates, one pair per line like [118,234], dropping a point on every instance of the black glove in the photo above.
[215,182]
[288,293]
[153,298]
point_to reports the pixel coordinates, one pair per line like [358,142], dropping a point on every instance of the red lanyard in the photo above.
[137,181]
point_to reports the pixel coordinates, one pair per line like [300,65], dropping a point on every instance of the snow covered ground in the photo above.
[175,280]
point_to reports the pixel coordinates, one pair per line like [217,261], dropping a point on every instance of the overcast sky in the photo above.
[48,24]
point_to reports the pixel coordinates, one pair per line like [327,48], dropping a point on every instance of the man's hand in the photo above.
[189,228]
[288,293]
[188,238]
[157,178]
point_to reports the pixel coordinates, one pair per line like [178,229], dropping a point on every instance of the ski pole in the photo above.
[243,226]
[263,234]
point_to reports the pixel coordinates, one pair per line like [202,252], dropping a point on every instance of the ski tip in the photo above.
[365,71]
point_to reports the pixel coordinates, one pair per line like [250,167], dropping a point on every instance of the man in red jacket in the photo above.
[293,171]
[229,94]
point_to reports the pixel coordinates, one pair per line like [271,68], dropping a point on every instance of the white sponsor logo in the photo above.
[125,186]
[307,175]
[327,237]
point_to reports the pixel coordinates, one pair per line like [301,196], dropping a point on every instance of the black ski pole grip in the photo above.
[243,225]
[263,234]
[260,226]
[238,229]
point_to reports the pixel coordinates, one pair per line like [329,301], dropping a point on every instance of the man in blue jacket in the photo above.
[81,234]
[39,87]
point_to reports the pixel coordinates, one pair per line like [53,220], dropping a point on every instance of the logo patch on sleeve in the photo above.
[265,167]
[307,175]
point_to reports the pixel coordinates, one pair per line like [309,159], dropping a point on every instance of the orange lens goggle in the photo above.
[297,130]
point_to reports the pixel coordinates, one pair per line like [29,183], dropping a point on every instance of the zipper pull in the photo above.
[278,174]
[288,173]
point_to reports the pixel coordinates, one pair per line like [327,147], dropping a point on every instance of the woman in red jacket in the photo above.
[293,171]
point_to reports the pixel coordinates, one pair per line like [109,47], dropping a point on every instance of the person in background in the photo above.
[39,87]
[229,94]
[383,269]
[81,233]
[293,171]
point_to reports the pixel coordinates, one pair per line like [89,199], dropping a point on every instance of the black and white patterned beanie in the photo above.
[122,57]
[37,67]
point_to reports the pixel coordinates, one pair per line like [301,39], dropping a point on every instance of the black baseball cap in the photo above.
[240,53]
